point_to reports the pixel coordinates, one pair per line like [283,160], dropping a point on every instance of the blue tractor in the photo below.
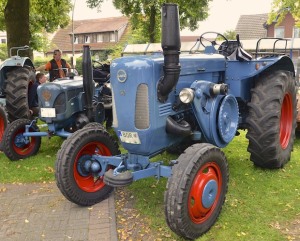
[66,105]
[196,100]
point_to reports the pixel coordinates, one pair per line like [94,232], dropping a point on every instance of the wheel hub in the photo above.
[86,166]
[209,193]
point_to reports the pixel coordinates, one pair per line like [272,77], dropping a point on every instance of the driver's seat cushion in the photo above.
[232,46]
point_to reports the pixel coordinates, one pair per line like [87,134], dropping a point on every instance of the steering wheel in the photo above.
[211,37]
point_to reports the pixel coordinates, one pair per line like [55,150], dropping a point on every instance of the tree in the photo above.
[230,34]
[26,21]
[281,7]
[18,25]
[145,15]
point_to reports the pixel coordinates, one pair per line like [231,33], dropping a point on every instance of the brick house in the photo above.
[253,27]
[100,34]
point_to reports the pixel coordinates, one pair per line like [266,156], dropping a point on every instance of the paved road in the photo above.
[40,212]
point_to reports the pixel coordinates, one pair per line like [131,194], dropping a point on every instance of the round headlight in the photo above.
[186,95]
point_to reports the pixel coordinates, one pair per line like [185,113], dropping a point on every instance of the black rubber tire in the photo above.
[199,162]
[68,179]
[17,93]
[3,124]
[21,150]
[272,120]
[95,125]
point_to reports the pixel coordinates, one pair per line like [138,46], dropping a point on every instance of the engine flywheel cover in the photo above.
[228,118]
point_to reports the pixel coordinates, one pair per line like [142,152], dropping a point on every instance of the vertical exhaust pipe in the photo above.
[88,83]
[170,42]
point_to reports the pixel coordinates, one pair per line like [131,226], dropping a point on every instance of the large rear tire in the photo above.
[196,190]
[272,119]
[75,183]
[17,93]
[15,145]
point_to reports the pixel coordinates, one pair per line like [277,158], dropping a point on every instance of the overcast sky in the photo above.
[223,14]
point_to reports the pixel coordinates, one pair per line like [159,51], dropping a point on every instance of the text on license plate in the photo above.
[129,137]
[48,112]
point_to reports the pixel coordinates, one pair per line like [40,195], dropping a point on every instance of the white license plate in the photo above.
[129,137]
[48,112]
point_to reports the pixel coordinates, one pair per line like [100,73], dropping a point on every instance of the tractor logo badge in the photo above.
[121,75]
[46,95]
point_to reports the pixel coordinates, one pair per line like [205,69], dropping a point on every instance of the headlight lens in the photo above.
[186,95]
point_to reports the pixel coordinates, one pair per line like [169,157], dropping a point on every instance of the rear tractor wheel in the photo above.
[272,120]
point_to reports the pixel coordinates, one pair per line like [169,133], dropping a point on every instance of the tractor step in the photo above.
[121,180]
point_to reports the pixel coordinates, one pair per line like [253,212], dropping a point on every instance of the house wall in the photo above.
[288,23]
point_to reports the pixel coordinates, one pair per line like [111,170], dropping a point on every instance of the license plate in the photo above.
[129,137]
[48,112]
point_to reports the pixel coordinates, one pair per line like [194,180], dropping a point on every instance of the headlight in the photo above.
[186,95]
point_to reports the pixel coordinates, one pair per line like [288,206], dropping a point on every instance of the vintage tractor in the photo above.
[15,75]
[170,99]
[66,105]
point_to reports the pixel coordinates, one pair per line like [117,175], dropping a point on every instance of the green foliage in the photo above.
[281,7]
[145,16]
[3,52]
[230,34]
[45,16]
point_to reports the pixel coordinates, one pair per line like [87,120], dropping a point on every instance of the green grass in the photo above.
[258,202]
[38,168]
[259,205]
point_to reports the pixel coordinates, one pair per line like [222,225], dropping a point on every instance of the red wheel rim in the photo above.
[2,128]
[89,183]
[286,121]
[198,213]
[26,149]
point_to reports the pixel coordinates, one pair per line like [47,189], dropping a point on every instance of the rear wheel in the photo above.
[77,183]
[272,120]
[15,145]
[17,93]
[196,190]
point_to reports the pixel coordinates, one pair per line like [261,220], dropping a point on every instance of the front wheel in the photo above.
[15,145]
[272,119]
[77,183]
[196,190]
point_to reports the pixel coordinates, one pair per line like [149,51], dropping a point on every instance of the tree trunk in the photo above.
[16,14]
[152,24]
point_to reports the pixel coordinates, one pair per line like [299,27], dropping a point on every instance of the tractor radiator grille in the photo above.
[142,107]
[73,93]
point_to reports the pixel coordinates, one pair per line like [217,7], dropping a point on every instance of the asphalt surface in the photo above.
[40,212]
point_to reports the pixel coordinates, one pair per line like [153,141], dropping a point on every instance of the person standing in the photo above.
[33,102]
[57,67]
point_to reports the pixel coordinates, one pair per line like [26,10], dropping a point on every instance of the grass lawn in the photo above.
[260,205]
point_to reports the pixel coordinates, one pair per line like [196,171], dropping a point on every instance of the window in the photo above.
[112,37]
[296,32]
[99,38]
[3,41]
[75,40]
[279,32]
[87,39]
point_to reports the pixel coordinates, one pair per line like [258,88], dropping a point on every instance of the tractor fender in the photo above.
[16,61]
[237,70]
